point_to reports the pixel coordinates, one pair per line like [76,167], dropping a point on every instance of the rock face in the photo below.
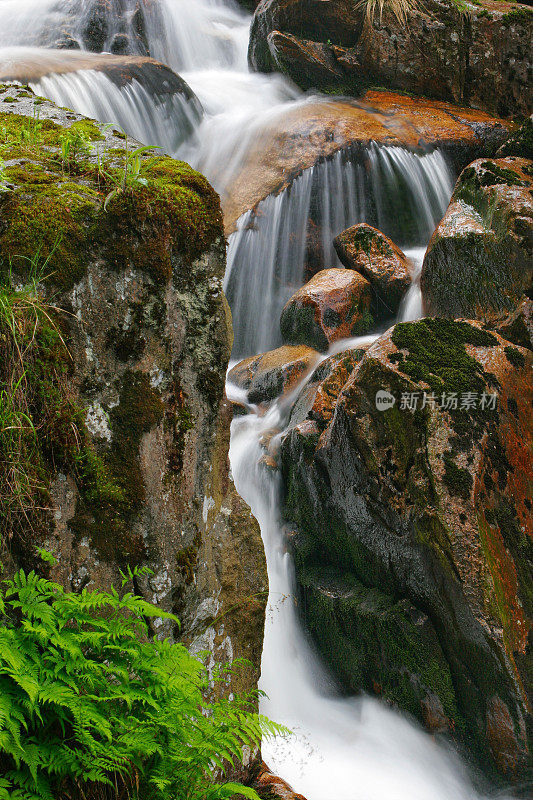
[380,261]
[481,58]
[298,139]
[334,305]
[316,20]
[265,377]
[145,480]
[479,262]
[412,528]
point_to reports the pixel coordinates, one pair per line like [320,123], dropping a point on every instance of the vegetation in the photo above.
[401,9]
[39,422]
[91,707]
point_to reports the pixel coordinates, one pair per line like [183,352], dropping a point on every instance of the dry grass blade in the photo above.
[401,9]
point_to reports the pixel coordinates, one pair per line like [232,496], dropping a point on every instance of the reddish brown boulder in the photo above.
[311,65]
[413,534]
[269,785]
[380,261]
[479,262]
[518,326]
[334,305]
[265,377]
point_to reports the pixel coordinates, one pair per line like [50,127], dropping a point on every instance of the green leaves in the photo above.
[87,698]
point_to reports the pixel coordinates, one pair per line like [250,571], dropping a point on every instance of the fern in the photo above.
[90,706]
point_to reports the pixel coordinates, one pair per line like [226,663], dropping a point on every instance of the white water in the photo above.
[341,749]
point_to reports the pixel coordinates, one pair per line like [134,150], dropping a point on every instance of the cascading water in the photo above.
[402,193]
[340,749]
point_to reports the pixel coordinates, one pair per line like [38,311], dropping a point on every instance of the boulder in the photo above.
[268,376]
[132,455]
[519,143]
[310,65]
[300,137]
[317,20]
[407,496]
[380,261]
[479,262]
[334,305]
[482,58]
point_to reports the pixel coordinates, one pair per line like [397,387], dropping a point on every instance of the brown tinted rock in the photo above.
[334,305]
[479,262]
[379,260]
[483,59]
[318,20]
[310,65]
[426,516]
[265,377]
[299,138]
[269,785]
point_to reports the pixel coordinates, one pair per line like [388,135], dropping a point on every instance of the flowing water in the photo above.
[340,748]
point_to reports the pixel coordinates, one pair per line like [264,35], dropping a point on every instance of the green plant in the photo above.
[3,180]
[91,707]
[74,143]
[132,175]
[37,413]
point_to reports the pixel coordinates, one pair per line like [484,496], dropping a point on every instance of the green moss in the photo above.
[177,212]
[517,15]
[458,480]
[112,488]
[515,357]
[436,354]
[520,143]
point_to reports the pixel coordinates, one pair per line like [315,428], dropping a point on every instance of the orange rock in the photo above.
[300,137]
[276,787]
[269,375]
[380,261]
[334,305]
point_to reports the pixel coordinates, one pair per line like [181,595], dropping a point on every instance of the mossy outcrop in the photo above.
[421,504]
[129,263]
[479,262]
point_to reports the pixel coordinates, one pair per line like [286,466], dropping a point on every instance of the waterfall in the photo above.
[166,121]
[404,194]
[341,748]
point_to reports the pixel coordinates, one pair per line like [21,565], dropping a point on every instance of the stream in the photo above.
[341,748]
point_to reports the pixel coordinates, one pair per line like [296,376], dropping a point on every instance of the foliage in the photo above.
[37,413]
[74,143]
[401,9]
[132,175]
[90,706]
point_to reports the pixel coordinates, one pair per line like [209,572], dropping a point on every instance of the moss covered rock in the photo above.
[479,262]
[131,262]
[422,504]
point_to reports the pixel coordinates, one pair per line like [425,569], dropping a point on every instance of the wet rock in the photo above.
[380,261]
[479,262]
[334,305]
[483,58]
[421,504]
[273,787]
[316,20]
[267,376]
[96,29]
[120,44]
[301,137]
[310,65]
[145,480]
[518,326]
[519,143]
[29,64]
